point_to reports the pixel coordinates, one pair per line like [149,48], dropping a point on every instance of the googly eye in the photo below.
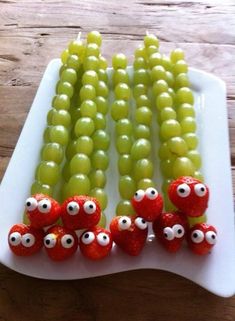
[103,239]
[183,190]
[14,238]
[168,233]
[178,230]
[197,236]
[28,240]
[211,237]
[44,206]
[88,238]
[200,190]
[72,208]
[89,207]
[139,195]
[141,223]
[151,193]
[50,240]
[124,223]
[67,241]
[31,204]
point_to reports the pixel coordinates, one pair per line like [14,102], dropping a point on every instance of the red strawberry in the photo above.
[129,233]
[148,204]
[80,212]
[60,243]
[25,240]
[189,195]
[170,230]
[42,210]
[96,243]
[201,238]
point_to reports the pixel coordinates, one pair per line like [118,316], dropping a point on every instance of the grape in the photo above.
[94,37]
[180,67]
[84,145]
[58,134]
[88,109]
[71,149]
[143,169]
[80,164]
[119,61]
[155,60]
[160,86]
[102,89]
[171,92]
[87,92]
[139,63]
[176,55]
[185,110]
[139,89]
[64,56]
[164,151]
[103,221]
[75,115]
[124,207]
[46,135]
[151,40]
[69,75]
[123,144]
[102,63]
[62,68]
[195,157]
[157,73]
[84,127]
[177,146]
[97,178]
[145,183]
[151,50]
[120,76]
[101,139]
[92,49]
[38,188]
[52,152]
[76,47]
[143,116]
[170,78]
[184,95]
[143,100]
[102,74]
[196,220]
[140,52]
[73,62]
[188,125]
[124,127]
[183,166]
[47,173]
[166,63]
[100,121]
[198,175]
[61,102]
[66,172]
[170,128]
[122,91]
[164,100]
[140,149]
[182,80]
[119,109]
[102,105]
[78,184]
[169,207]
[167,113]
[100,160]
[166,168]
[142,131]
[91,63]
[90,77]
[64,88]
[127,187]
[165,185]
[60,117]
[141,76]
[191,140]
[124,164]
[101,196]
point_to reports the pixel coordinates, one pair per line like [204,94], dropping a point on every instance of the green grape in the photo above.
[145,183]
[64,88]
[88,109]
[183,166]
[49,116]
[78,184]
[170,78]
[64,56]
[97,178]
[198,175]
[103,221]
[139,63]
[87,92]
[171,92]
[84,145]
[73,62]
[123,144]
[119,61]
[100,160]
[139,89]
[66,172]
[59,134]
[177,146]
[100,121]
[167,113]
[140,149]
[191,140]
[102,63]
[180,67]
[151,50]
[170,128]
[80,164]
[166,63]
[151,40]
[142,131]
[62,68]
[124,207]
[71,149]
[141,76]
[165,185]
[47,173]
[166,167]
[119,109]
[84,126]
[90,77]
[91,63]
[61,102]
[94,37]
[143,100]
[102,74]
[188,125]
[122,91]
[164,151]
[155,60]
[69,75]
[102,105]
[127,187]
[46,135]
[101,196]
[102,89]
[39,188]
[92,49]
[182,80]
[143,116]
[101,139]
[176,55]
[143,168]
[76,47]
[52,152]
[140,52]
[125,164]
[160,86]
[184,95]
[157,73]
[124,127]
[120,76]
[169,207]
[195,157]
[164,100]
[61,117]
[185,110]
[75,115]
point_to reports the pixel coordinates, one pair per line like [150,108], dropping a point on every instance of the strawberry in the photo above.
[129,233]
[189,195]
[60,243]
[25,240]
[96,243]
[148,204]
[170,230]
[80,212]
[201,238]
[42,210]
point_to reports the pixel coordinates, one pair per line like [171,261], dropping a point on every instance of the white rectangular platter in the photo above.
[215,272]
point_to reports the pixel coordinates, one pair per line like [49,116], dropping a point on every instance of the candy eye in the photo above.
[31,204]
[89,207]
[103,239]
[141,223]
[211,237]
[28,240]
[178,230]
[183,190]
[14,238]
[151,193]
[88,238]
[67,241]
[50,240]
[44,206]
[197,236]
[73,208]
[200,190]
[168,233]
[139,195]
[124,223]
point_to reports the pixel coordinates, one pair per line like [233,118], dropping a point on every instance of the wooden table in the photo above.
[34,32]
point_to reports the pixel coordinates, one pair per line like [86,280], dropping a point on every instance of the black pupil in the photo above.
[152,192]
[182,190]
[69,241]
[143,221]
[165,234]
[28,203]
[124,221]
[213,236]
[70,208]
[179,231]
[104,237]
[136,194]
[91,206]
[202,189]
[27,240]
[13,239]
[44,205]
[195,235]
[48,242]
[86,236]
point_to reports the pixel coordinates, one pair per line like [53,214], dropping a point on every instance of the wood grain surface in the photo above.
[34,32]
